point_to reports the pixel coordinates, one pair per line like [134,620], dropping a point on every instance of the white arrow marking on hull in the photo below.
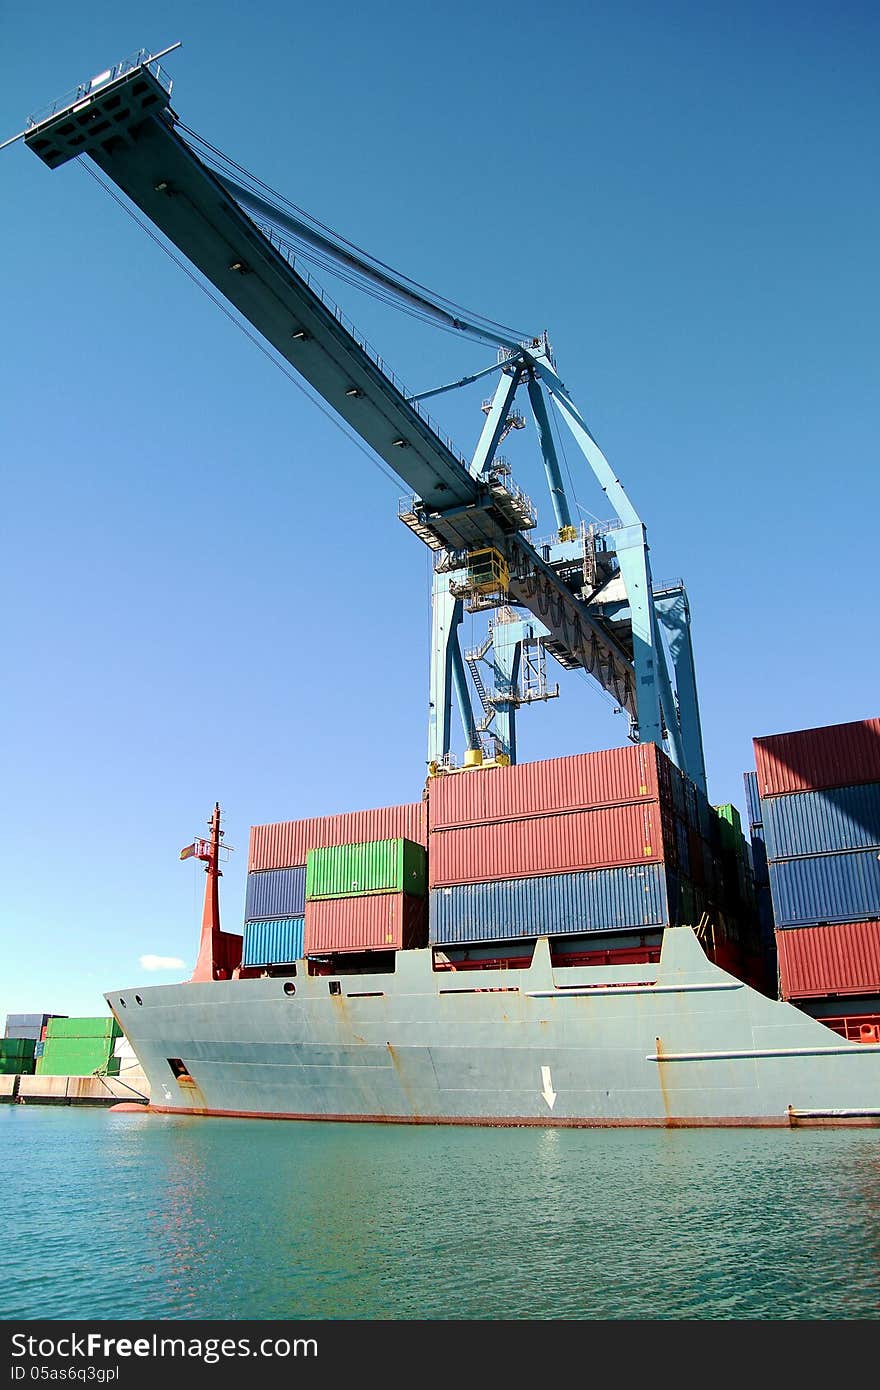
[548,1092]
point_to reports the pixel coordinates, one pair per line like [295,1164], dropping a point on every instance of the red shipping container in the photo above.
[602,839]
[839,958]
[379,922]
[808,760]
[577,783]
[285,844]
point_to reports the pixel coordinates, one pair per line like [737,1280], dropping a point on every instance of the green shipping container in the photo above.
[78,1057]
[82,1028]
[354,871]
[16,1055]
[731,829]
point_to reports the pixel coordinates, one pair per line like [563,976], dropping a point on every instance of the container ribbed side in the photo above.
[836,755]
[275,893]
[380,922]
[285,843]
[609,778]
[839,958]
[277,942]
[605,838]
[558,905]
[823,822]
[826,888]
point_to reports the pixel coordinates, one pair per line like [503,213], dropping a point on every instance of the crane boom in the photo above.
[128,128]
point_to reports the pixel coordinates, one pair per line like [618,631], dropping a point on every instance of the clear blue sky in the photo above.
[684,195]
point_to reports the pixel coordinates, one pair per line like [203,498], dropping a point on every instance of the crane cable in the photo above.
[252,337]
[369,262]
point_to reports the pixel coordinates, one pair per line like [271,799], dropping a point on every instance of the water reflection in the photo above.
[137,1216]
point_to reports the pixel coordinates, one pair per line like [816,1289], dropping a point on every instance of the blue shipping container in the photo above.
[275,893]
[826,888]
[753,800]
[279,942]
[759,857]
[823,822]
[558,905]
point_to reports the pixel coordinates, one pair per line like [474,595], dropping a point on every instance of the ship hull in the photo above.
[678,1044]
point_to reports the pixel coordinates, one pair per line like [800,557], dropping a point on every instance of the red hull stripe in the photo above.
[551,1122]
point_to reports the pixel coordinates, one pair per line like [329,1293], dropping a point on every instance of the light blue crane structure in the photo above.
[585,596]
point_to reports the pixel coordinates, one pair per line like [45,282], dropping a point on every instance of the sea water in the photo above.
[143,1216]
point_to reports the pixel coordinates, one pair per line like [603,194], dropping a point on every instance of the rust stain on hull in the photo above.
[505,1121]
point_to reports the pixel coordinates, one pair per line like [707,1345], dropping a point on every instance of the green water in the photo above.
[125,1216]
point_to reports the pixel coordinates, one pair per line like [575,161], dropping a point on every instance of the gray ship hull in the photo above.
[675,1044]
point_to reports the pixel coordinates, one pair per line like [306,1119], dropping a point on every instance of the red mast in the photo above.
[219,951]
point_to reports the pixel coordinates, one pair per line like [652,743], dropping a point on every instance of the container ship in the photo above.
[519,948]
[579,941]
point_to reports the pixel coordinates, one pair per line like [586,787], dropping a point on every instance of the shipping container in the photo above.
[826,888]
[838,958]
[766,920]
[676,784]
[824,822]
[561,904]
[605,838]
[78,1057]
[275,893]
[381,922]
[26,1025]
[730,826]
[837,755]
[704,814]
[759,856]
[285,843]
[697,855]
[612,778]
[753,800]
[682,846]
[17,1055]
[382,866]
[691,810]
[82,1028]
[277,942]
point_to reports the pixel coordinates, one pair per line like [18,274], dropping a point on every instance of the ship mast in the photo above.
[219,952]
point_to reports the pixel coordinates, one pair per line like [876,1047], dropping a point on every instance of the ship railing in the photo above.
[142,58]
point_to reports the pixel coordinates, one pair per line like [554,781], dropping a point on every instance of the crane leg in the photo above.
[674,614]
[447,672]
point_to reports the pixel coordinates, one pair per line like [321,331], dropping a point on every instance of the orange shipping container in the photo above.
[636,773]
[836,755]
[380,922]
[602,839]
[837,958]
[285,844]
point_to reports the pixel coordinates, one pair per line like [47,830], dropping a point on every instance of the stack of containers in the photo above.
[80,1046]
[741,948]
[31,1026]
[763,897]
[365,897]
[275,909]
[819,795]
[602,843]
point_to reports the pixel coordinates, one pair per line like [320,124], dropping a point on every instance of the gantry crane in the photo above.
[586,596]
